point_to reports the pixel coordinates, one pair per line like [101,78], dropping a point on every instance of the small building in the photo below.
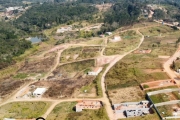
[132,109]
[95,71]
[109,33]
[39,91]
[64,29]
[88,104]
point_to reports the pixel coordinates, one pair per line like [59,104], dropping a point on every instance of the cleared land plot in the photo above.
[158,84]
[158,98]
[78,53]
[73,69]
[167,110]
[65,111]
[37,66]
[125,74]
[23,110]
[7,86]
[128,94]
[164,97]
[62,88]
[130,40]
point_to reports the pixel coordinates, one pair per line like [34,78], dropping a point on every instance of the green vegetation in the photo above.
[21,76]
[77,66]
[10,45]
[66,110]
[78,53]
[121,14]
[158,98]
[130,40]
[21,110]
[45,16]
[167,109]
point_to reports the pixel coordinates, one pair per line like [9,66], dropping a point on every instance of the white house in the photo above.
[109,33]
[96,71]
[39,91]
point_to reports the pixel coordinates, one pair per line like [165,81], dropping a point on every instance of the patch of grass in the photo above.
[145,86]
[159,98]
[21,110]
[81,52]
[21,76]
[77,66]
[167,109]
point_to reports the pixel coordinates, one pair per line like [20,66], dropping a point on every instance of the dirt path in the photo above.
[167,68]
[105,98]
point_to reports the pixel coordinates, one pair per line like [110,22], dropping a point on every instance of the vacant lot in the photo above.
[65,111]
[120,95]
[78,53]
[167,109]
[130,40]
[23,110]
[37,66]
[61,88]
[7,86]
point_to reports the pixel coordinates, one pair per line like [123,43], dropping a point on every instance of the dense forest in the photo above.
[121,14]
[45,16]
[10,45]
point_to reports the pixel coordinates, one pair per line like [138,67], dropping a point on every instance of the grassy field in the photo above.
[23,110]
[130,40]
[160,98]
[167,109]
[78,53]
[65,111]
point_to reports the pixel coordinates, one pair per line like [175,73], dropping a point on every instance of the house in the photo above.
[64,29]
[39,91]
[88,104]
[95,71]
[109,33]
[132,109]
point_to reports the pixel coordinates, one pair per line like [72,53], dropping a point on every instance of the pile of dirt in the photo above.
[7,86]
[38,66]
[65,87]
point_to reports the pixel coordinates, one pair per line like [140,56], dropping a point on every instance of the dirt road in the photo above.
[105,98]
[167,68]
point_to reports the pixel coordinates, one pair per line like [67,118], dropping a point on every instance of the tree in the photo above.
[159,14]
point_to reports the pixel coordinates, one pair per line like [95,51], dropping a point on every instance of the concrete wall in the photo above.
[162,91]
[167,103]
